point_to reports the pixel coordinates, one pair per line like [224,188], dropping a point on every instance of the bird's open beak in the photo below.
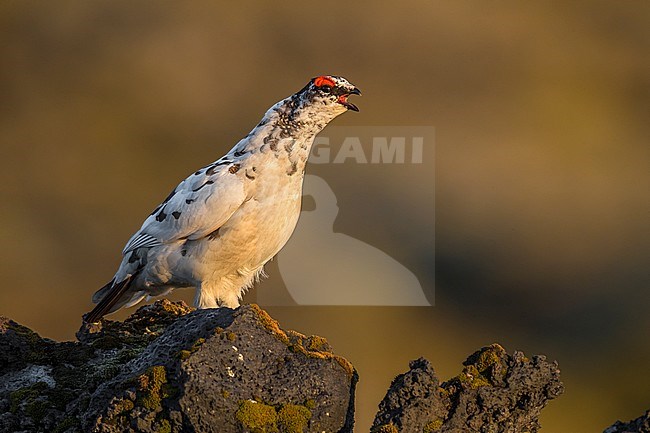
[343,99]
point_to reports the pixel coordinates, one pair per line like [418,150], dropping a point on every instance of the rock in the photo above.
[168,368]
[639,425]
[19,345]
[411,395]
[495,392]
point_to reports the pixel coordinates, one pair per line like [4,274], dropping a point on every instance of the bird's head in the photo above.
[310,109]
[326,96]
[333,91]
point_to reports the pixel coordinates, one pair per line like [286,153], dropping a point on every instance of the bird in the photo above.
[219,226]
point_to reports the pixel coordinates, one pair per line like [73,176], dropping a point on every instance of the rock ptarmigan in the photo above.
[219,226]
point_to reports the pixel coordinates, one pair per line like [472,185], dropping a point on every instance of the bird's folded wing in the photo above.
[198,206]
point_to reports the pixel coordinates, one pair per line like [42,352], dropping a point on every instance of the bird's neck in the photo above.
[287,131]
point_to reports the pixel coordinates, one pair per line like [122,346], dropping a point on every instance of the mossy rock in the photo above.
[386,428]
[67,423]
[123,376]
[293,418]
[433,426]
[257,417]
[263,418]
[153,387]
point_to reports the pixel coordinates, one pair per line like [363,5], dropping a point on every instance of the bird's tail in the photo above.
[110,297]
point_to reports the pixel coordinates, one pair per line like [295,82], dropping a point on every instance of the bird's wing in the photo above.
[197,207]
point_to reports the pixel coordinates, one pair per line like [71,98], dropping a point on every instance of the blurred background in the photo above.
[541,168]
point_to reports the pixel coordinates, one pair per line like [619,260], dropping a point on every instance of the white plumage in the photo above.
[221,224]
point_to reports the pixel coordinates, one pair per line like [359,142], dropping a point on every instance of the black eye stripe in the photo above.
[326,89]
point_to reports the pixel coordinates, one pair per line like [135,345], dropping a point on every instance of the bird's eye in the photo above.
[325,89]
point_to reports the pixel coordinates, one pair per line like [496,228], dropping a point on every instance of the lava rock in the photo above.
[223,370]
[170,368]
[19,345]
[46,386]
[495,392]
[639,425]
[412,394]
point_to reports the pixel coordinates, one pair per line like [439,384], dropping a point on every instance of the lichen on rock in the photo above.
[293,418]
[257,417]
[169,368]
[494,392]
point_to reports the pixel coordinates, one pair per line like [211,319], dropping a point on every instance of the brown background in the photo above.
[542,156]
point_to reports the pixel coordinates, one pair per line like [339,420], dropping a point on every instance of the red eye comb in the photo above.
[324,80]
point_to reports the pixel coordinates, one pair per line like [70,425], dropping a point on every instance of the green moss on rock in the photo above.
[432,426]
[124,406]
[183,354]
[119,411]
[151,387]
[481,369]
[472,378]
[293,418]
[257,417]
[316,343]
[489,362]
[315,347]
[36,410]
[490,356]
[66,424]
[263,418]
[25,395]
[164,426]
[270,324]
[385,428]
[186,353]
